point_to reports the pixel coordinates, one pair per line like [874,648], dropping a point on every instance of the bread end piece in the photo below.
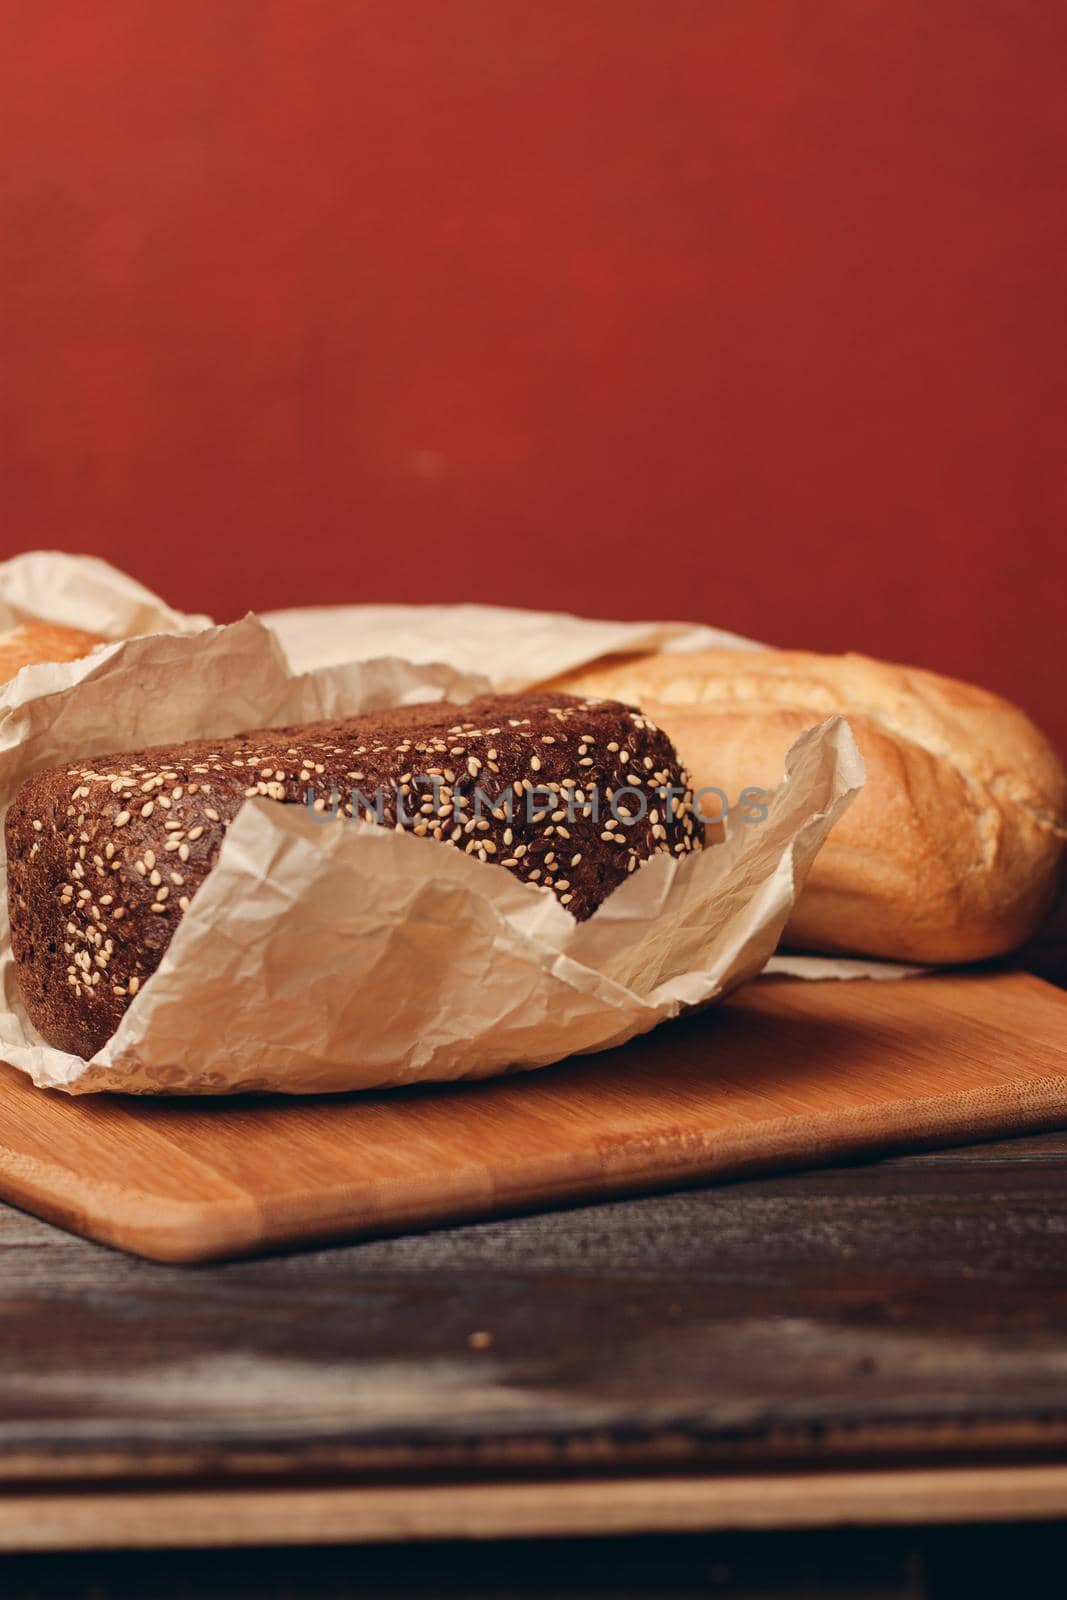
[955,849]
[33,642]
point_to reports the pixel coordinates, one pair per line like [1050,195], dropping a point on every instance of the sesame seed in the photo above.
[122,819]
[147,809]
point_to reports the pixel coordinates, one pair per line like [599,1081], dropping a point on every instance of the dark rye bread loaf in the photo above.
[105,856]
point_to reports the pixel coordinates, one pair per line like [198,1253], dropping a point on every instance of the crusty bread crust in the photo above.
[955,848]
[32,642]
[104,856]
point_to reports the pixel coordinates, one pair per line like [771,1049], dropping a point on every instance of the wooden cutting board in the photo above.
[786,1074]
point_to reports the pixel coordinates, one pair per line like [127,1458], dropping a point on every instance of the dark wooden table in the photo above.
[754,1355]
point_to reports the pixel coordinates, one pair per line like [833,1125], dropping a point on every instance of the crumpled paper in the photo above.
[516,649]
[511,647]
[345,956]
[84,592]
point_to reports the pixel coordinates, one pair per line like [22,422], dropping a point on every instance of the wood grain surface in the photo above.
[786,1074]
[522,1508]
[908,1312]
[855,1344]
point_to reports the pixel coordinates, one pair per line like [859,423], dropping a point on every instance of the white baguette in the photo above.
[953,851]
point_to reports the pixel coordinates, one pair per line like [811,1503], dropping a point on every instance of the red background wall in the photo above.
[744,310]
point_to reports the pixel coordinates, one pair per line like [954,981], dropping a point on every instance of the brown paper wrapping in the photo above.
[345,956]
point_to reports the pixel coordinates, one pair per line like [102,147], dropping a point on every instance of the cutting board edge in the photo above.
[194,1233]
[241,1220]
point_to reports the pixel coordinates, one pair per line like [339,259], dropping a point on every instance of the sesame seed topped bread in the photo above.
[32,642]
[104,856]
[954,849]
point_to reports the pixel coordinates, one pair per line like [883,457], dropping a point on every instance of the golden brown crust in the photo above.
[954,849]
[32,642]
